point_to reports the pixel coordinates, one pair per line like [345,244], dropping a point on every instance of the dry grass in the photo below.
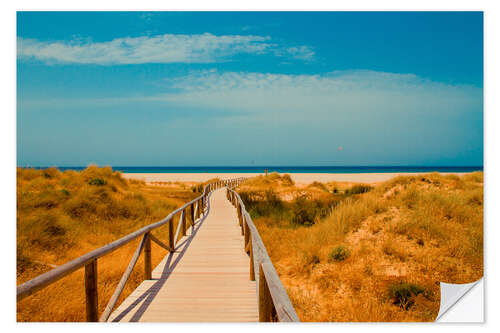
[402,236]
[63,215]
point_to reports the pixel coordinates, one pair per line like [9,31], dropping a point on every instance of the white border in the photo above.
[492,167]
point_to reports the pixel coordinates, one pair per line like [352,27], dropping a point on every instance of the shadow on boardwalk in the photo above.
[147,297]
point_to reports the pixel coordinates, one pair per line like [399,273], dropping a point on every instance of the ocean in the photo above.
[285,169]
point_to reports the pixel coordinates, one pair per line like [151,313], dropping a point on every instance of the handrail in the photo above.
[274,303]
[89,260]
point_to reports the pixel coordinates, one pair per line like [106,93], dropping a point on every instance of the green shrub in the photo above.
[403,293]
[266,204]
[97,182]
[51,173]
[273,199]
[358,189]
[339,253]
[303,213]
[310,259]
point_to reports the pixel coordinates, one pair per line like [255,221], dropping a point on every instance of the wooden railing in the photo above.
[274,304]
[195,209]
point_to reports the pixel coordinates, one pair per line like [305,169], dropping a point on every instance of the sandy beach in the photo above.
[301,178]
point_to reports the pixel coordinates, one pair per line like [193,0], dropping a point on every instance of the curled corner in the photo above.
[459,304]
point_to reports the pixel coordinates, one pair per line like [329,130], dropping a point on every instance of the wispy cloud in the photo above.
[168,48]
[300,52]
[338,92]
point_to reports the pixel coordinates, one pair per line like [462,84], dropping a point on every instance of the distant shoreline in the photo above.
[281,169]
[301,178]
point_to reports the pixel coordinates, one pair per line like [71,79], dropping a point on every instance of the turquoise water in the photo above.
[289,169]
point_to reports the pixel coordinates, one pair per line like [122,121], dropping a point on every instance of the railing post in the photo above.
[183,221]
[171,243]
[240,219]
[252,270]
[91,290]
[245,232]
[147,258]
[192,216]
[265,300]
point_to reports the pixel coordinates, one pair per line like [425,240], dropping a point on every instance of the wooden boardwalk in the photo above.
[218,271]
[205,280]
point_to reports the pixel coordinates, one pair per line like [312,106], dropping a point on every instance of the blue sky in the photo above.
[242,88]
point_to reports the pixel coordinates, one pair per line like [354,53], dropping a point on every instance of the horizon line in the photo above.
[251,166]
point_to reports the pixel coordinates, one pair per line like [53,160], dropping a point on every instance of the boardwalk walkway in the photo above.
[205,280]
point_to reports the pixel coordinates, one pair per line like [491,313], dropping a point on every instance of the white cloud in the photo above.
[335,92]
[169,48]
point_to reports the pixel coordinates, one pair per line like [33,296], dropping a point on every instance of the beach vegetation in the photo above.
[338,253]
[359,189]
[374,246]
[97,181]
[63,215]
[403,293]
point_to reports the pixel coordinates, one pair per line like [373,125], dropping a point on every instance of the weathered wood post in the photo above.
[192,217]
[252,270]
[240,217]
[265,300]
[246,232]
[147,257]
[183,221]
[91,290]
[171,243]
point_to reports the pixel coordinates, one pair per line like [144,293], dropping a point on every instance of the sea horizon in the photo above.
[279,169]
